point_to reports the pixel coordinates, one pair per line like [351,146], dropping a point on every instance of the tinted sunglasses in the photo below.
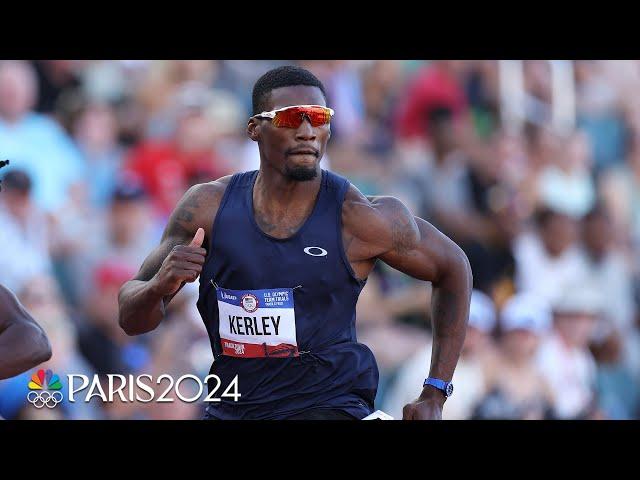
[292,117]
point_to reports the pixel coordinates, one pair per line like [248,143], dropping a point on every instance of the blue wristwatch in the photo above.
[445,387]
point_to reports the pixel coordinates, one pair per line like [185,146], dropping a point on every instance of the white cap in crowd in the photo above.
[580,299]
[482,312]
[525,311]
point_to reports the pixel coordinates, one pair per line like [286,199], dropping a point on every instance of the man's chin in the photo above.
[302,173]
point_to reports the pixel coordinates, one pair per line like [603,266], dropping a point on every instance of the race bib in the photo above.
[257,323]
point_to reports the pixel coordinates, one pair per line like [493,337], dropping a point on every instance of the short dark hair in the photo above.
[287,76]
[17,181]
[438,116]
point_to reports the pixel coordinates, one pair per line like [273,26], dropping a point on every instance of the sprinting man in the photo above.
[282,254]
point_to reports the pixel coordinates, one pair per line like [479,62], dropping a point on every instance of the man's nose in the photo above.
[305,131]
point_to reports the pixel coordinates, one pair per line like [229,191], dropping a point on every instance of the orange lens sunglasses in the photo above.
[292,117]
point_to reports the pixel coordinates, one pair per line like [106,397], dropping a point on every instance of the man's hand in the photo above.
[427,407]
[182,265]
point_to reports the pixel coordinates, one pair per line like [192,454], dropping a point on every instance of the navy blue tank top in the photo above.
[332,369]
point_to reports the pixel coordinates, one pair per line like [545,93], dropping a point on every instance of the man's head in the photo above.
[558,231]
[577,314]
[294,152]
[18,89]
[16,193]
[524,320]
[440,126]
[129,211]
[96,128]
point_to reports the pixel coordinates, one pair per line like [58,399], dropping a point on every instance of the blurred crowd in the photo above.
[549,217]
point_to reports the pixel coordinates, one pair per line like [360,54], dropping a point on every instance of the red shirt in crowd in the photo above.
[167,173]
[434,86]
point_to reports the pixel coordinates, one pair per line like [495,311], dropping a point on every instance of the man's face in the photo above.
[17,203]
[443,135]
[576,328]
[126,219]
[294,152]
[17,91]
[520,343]
[474,340]
[559,233]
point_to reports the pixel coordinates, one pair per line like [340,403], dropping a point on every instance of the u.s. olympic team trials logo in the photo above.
[40,385]
[249,302]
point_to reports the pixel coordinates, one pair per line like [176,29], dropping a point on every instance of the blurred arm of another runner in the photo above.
[384,228]
[177,260]
[23,343]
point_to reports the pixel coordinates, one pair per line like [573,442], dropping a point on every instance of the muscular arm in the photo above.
[23,343]
[142,301]
[383,227]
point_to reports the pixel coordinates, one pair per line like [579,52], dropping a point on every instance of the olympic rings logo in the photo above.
[45,398]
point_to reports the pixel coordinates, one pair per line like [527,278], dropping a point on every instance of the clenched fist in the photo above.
[182,265]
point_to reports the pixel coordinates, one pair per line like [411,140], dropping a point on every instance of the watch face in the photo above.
[449,389]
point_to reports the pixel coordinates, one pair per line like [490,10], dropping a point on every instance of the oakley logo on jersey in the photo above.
[315,251]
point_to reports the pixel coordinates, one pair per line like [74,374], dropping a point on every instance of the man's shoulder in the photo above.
[201,201]
[213,190]
[374,218]
[355,202]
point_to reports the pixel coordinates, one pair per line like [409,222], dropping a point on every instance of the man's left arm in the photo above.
[23,343]
[415,247]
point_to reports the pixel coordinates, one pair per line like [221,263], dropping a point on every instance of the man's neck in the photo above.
[275,192]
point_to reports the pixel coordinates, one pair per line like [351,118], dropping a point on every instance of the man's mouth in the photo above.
[304,151]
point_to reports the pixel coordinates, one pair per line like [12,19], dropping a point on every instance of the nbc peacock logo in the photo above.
[40,385]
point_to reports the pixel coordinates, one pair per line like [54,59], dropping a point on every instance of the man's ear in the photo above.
[253,129]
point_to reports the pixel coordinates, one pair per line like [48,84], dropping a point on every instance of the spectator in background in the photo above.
[24,241]
[33,142]
[169,168]
[620,190]
[101,341]
[567,182]
[435,86]
[470,377]
[380,312]
[95,133]
[547,258]
[617,390]
[442,182]
[607,271]
[380,88]
[492,261]
[515,388]
[78,218]
[564,358]
[124,233]
[55,78]
[164,81]
[598,110]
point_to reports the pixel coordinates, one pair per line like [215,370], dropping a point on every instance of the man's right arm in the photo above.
[177,260]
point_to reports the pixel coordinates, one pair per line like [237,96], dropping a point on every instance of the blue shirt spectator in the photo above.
[33,142]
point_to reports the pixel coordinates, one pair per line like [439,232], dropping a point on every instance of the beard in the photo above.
[301,173]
